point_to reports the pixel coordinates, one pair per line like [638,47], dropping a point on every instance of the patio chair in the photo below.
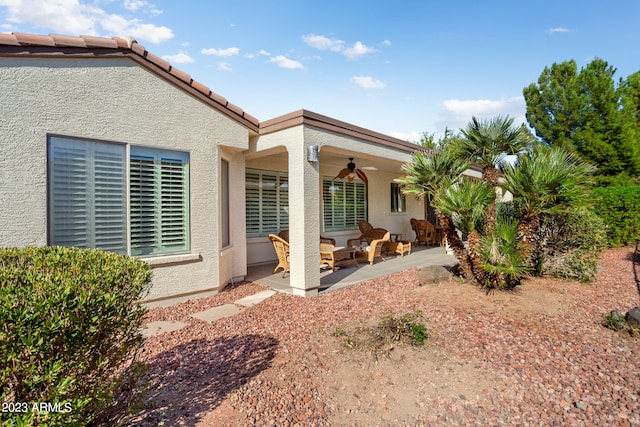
[282,250]
[413,222]
[425,232]
[374,249]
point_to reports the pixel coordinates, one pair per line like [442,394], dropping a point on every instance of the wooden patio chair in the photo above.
[375,245]
[282,250]
[425,232]
[367,234]
[413,222]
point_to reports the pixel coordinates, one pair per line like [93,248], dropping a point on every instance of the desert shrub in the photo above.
[391,331]
[618,207]
[570,244]
[70,329]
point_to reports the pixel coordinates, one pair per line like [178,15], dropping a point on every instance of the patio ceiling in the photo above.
[338,158]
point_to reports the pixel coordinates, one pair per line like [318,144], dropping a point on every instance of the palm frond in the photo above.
[466,203]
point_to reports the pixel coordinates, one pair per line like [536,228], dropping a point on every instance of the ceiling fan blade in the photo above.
[362,176]
[344,172]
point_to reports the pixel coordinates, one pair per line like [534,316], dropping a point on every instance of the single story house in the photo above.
[106,145]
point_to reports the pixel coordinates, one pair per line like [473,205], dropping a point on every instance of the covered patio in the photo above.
[292,185]
[421,256]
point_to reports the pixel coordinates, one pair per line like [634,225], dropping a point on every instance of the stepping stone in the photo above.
[156,328]
[215,313]
[254,299]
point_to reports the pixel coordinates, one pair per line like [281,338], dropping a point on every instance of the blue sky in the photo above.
[399,68]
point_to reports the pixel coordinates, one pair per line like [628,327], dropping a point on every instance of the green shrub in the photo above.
[390,332]
[618,207]
[570,244]
[70,330]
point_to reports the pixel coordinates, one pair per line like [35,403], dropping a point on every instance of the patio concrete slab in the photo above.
[160,327]
[421,256]
[254,299]
[215,313]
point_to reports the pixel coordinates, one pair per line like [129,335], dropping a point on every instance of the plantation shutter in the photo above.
[267,202]
[159,193]
[344,204]
[252,203]
[87,194]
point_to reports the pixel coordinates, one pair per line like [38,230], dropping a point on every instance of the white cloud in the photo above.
[357,50]
[231,51]
[224,66]
[133,5]
[367,82]
[255,55]
[335,45]
[558,30]
[179,58]
[323,43]
[386,43]
[284,62]
[457,113]
[77,18]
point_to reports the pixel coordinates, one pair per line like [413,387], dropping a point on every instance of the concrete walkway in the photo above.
[210,315]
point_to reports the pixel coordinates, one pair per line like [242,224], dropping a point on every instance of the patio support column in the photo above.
[304,225]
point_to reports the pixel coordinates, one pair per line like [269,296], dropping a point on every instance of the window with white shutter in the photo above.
[87,186]
[267,202]
[159,198]
[345,203]
[87,194]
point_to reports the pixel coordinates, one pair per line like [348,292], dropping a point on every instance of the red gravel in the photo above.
[543,355]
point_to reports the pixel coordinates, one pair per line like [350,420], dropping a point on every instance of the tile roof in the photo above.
[21,44]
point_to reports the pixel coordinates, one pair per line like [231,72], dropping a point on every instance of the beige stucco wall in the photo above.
[117,100]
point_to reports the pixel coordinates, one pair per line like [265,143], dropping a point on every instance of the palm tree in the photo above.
[488,142]
[546,180]
[503,256]
[430,175]
[465,204]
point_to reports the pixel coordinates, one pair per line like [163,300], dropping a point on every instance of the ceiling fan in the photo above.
[351,173]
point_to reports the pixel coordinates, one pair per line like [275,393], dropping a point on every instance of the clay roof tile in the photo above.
[8,39]
[99,42]
[181,75]
[33,39]
[67,41]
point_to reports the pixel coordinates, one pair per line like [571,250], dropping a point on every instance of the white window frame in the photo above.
[398,198]
[344,203]
[119,195]
[225,208]
[267,202]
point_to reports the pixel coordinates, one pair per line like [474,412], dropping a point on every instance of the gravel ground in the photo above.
[543,355]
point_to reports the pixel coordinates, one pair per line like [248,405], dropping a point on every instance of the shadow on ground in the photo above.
[194,378]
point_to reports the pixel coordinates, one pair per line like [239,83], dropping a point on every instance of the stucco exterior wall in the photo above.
[116,100]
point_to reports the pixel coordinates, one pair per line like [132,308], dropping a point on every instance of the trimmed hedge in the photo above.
[619,208]
[70,328]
